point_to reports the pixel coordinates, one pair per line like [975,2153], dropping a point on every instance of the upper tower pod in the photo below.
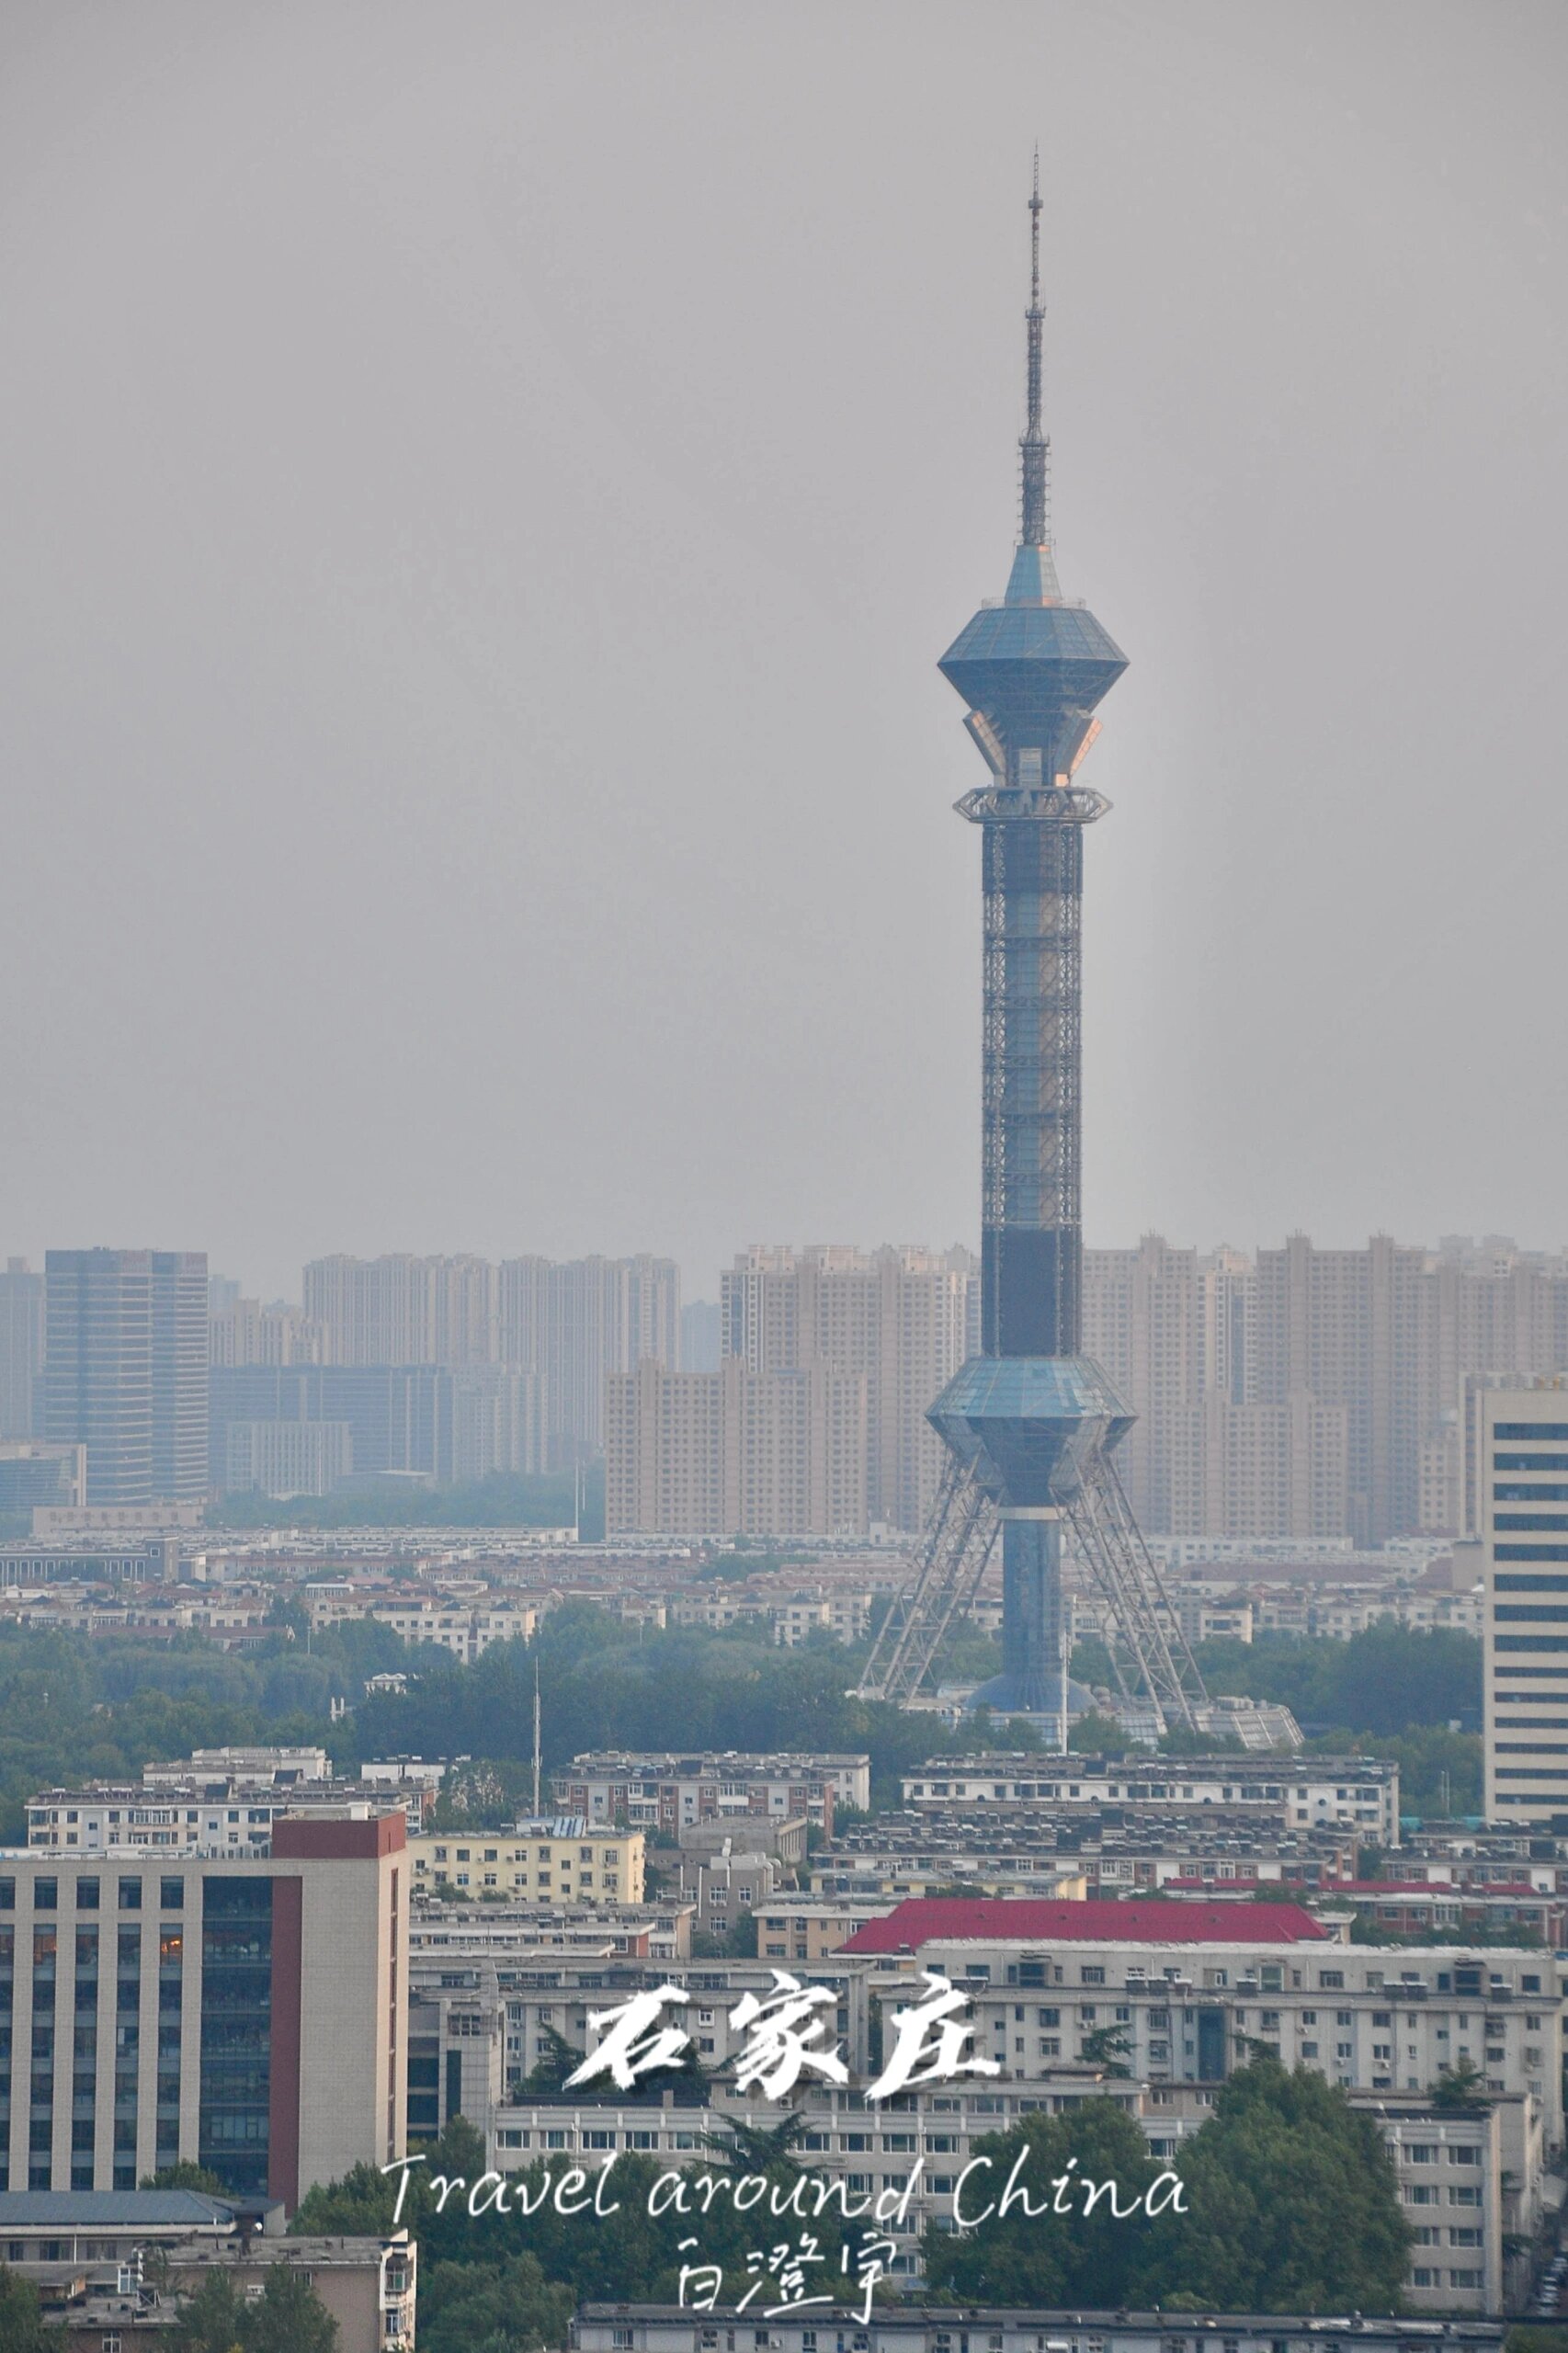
[1033,668]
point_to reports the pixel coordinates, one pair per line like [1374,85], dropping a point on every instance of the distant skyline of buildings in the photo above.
[1288,1393]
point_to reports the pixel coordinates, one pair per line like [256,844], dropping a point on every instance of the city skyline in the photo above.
[484,1727]
[1296,1391]
[336,635]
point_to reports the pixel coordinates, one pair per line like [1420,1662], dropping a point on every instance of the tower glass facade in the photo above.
[236,2031]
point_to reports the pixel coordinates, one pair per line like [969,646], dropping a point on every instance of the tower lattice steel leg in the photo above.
[949,1565]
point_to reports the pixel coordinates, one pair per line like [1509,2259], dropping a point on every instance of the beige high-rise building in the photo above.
[248,2014]
[735,1452]
[245,1332]
[901,1318]
[1143,1324]
[1259,1470]
[1312,1392]
[1520,1454]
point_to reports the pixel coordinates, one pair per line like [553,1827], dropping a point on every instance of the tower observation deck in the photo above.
[1031,1425]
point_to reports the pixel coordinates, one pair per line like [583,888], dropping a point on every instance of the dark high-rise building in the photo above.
[21,1350]
[1030,1423]
[127,1371]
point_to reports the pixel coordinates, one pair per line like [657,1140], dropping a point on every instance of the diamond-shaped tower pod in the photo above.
[1032,1423]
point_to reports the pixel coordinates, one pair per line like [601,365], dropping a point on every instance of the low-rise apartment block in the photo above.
[565,1860]
[1187,1988]
[1111,1849]
[667,1793]
[938,2328]
[1306,1792]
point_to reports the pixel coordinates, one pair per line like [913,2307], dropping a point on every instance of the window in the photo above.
[131,1895]
[87,1895]
[46,1895]
[171,1894]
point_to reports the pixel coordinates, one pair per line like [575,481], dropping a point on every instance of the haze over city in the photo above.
[483,509]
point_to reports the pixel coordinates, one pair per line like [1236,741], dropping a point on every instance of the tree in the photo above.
[1180,1740]
[760,2148]
[1050,2260]
[504,2305]
[363,2201]
[359,2205]
[735,1941]
[1106,2047]
[212,2320]
[21,2321]
[186,2174]
[289,2317]
[1291,2205]
[557,2060]
[1460,2087]
[1098,1734]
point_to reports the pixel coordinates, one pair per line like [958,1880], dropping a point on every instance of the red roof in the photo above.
[923,1920]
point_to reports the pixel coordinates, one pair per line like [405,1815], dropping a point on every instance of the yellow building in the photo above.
[563,1860]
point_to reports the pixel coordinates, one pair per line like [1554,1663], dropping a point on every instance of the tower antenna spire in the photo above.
[1035,446]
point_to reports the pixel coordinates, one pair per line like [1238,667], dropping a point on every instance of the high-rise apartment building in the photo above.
[1520,1456]
[127,1371]
[402,1310]
[244,2014]
[21,1350]
[242,1330]
[569,1325]
[901,1319]
[1313,1393]
[735,1452]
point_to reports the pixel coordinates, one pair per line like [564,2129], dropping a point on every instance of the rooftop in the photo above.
[923,1920]
[126,2209]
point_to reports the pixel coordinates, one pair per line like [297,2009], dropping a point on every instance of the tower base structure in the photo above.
[1030,1444]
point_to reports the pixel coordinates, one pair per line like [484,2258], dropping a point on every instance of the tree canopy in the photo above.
[21,2319]
[287,2317]
[1291,2205]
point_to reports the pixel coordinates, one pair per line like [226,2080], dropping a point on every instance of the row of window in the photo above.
[46,1895]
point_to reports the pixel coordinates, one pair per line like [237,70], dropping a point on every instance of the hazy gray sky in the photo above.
[484,489]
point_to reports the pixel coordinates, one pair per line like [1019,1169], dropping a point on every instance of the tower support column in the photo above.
[1032,1606]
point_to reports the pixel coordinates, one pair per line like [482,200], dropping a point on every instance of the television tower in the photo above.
[1031,1425]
